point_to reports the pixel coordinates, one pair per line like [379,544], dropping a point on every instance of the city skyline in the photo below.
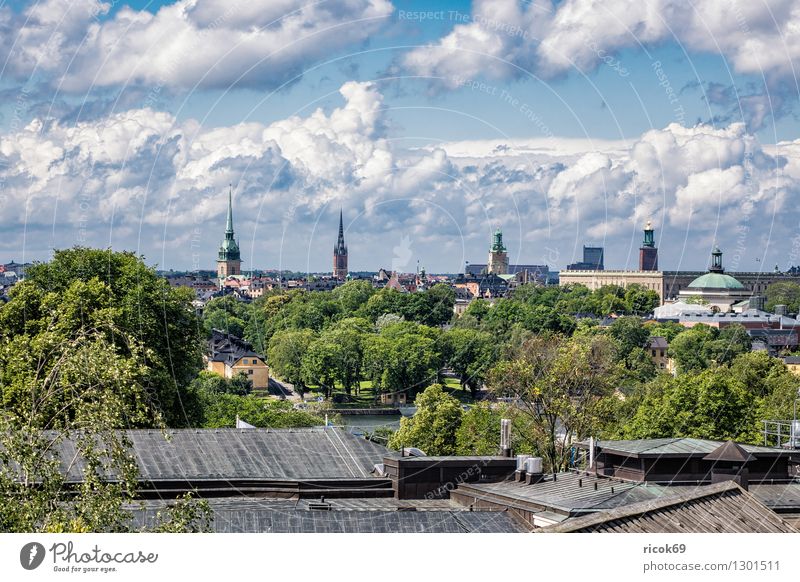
[124,123]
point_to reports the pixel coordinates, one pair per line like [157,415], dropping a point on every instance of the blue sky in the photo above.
[123,123]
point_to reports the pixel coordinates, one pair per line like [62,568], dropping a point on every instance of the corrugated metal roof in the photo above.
[779,496]
[672,446]
[720,508]
[235,454]
[570,493]
[346,516]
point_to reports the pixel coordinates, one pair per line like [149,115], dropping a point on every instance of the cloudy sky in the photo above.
[430,124]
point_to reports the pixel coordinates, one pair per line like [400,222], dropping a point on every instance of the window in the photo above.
[654,353]
[662,353]
[250,372]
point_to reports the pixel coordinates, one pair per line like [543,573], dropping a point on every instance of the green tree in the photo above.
[689,348]
[285,355]
[403,357]
[433,426]
[227,314]
[352,295]
[470,354]
[67,382]
[79,286]
[712,404]
[221,410]
[641,301]
[783,293]
[561,387]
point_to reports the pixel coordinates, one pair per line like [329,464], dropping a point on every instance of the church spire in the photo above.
[340,253]
[229,225]
[340,248]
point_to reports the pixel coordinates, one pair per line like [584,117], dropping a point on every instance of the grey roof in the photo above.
[729,452]
[658,342]
[778,496]
[672,446]
[570,493]
[295,454]
[721,508]
[237,515]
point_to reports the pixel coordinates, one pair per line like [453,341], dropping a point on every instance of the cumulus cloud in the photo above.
[142,179]
[187,44]
[507,39]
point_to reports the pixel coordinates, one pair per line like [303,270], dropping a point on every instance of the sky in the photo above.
[429,124]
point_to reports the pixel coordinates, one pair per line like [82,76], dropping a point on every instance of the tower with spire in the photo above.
[498,256]
[340,254]
[229,261]
[648,253]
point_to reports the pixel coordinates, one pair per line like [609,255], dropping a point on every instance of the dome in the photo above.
[715,281]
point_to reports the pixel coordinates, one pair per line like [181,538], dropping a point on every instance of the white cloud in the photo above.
[142,179]
[191,43]
[507,39]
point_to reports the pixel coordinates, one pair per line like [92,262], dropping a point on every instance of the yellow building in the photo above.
[229,355]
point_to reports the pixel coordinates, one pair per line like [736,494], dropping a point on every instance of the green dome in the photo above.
[715,281]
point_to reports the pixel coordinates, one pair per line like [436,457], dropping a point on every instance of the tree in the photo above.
[560,385]
[479,433]
[783,293]
[227,314]
[155,317]
[211,383]
[403,357]
[337,355]
[433,426]
[470,354]
[352,295]
[285,355]
[221,410]
[689,348]
[713,404]
[641,301]
[62,382]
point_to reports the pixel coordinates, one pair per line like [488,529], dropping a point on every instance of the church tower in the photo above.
[340,254]
[498,257]
[648,253]
[229,260]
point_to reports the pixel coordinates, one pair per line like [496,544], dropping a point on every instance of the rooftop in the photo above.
[231,455]
[673,446]
[721,508]
[567,494]
[241,515]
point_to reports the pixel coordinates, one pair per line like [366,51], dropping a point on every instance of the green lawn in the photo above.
[366,396]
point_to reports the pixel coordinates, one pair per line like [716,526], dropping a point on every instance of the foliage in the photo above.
[285,355]
[221,410]
[479,433]
[402,357]
[470,354]
[73,384]
[433,426]
[80,287]
[703,346]
[560,385]
[783,293]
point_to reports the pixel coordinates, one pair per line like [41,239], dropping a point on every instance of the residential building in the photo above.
[657,350]
[229,355]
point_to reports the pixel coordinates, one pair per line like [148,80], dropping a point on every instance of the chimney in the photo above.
[505,437]
[519,474]
[592,446]
[533,470]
